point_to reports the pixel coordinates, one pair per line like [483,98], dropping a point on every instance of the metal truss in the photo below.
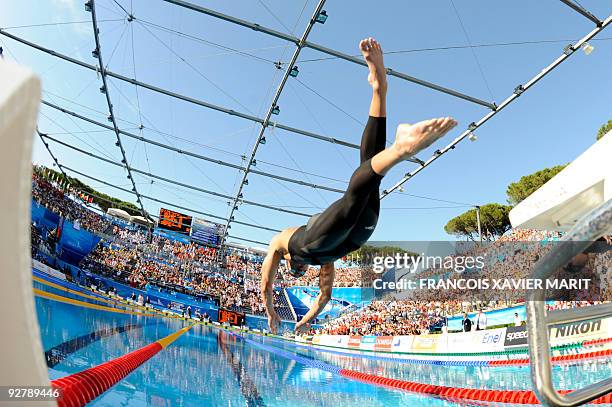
[518,91]
[171,181]
[97,53]
[190,153]
[238,198]
[305,44]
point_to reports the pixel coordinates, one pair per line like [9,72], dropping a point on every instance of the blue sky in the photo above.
[551,124]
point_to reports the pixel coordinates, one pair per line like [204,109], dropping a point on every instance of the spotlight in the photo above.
[276,110]
[88,5]
[254,163]
[587,48]
[95,53]
[103,89]
[246,182]
[117,143]
[262,141]
[322,17]
[401,189]
[472,136]
[240,195]
[110,118]
[294,72]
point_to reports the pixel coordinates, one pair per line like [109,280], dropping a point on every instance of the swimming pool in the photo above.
[208,366]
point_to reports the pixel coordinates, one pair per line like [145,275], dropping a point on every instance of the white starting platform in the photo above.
[583,185]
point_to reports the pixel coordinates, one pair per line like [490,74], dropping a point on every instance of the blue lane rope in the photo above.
[390,359]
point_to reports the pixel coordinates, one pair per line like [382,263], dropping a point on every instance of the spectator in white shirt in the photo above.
[517,320]
[481,321]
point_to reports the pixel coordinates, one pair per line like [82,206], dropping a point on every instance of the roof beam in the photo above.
[98,54]
[584,12]
[321,48]
[179,96]
[518,91]
[209,215]
[170,181]
[264,125]
[189,153]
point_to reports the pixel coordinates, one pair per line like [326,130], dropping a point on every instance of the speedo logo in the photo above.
[511,336]
[581,328]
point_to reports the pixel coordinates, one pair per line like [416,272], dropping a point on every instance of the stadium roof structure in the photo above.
[265,123]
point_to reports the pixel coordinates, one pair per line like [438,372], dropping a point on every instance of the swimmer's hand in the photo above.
[301,327]
[274,321]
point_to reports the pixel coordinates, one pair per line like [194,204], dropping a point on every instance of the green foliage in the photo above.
[101,199]
[604,129]
[518,191]
[367,251]
[493,219]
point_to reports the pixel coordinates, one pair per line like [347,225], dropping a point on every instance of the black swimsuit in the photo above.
[350,221]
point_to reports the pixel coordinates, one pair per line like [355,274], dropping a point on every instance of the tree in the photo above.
[604,129]
[494,221]
[101,199]
[517,191]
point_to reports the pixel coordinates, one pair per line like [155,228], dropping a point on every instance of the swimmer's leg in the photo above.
[374,135]
[409,140]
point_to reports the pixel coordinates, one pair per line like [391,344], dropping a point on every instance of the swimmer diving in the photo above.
[349,222]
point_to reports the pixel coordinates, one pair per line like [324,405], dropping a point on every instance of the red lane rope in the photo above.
[554,359]
[457,393]
[596,342]
[80,388]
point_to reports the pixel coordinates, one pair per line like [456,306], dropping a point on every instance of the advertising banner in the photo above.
[402,343]
[425,343]
[47,270]
[475,341]
[368,342]
[383,343]
[354,341]
[562,334]
[516,336]
[580,331]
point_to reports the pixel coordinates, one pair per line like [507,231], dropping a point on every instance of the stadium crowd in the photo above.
[138,258]
[66,205]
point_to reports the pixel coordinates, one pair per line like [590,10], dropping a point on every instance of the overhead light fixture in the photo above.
[587,48]
[294,72]
[276,109]
[322,17]
[472,136]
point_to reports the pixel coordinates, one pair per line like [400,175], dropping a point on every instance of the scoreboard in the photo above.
[205,232]
[174,221]
[231,317]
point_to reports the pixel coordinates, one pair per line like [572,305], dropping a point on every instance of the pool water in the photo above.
[211,367]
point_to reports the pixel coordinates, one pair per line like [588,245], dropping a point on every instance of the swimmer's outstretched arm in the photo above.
[326,283]
[268,274]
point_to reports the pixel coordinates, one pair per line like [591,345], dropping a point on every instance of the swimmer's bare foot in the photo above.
[412,138]
[373,55]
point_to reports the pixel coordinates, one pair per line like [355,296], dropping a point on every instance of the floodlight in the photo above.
[587,48]
[322,17]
